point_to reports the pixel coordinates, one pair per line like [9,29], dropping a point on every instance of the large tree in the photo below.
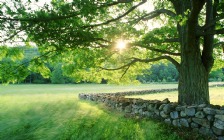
[83,34]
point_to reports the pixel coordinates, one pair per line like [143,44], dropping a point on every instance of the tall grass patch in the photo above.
[50,112]
[63,116]
[54,112]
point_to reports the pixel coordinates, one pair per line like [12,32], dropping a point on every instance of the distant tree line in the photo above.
[167,73]
[159,72]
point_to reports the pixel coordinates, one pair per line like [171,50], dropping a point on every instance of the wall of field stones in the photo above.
[205,119]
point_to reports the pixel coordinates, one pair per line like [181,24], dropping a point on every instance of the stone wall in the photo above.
[205,119]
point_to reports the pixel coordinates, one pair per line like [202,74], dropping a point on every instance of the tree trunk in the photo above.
[193,75]
[193,83]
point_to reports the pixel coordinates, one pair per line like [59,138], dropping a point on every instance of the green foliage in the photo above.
[217,75]
[11,66]
[57,75]
[14,53]
[160,73]
[11,72]
[81,35]
[39,67]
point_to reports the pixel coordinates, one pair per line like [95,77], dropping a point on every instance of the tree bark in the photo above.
[193,76]
[193,82]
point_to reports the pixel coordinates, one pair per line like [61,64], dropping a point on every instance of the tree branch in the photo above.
[206,26]
[47,19]
[125,71]
[115,3]
[163,51]
[117,18]
[11,37]
[218,44]
[156,13]
[74,14]
[202,33]
[167,40]
[158,50]
[135,60]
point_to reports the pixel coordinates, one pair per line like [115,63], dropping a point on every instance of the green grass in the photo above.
[54,112]
[216,96]
[77,88]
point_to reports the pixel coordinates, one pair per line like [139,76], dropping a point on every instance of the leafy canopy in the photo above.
[82,36]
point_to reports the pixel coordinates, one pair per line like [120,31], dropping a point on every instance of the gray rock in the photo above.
[128,109]
[149,114]
[167,108]
[144,106]
[163,115]
[176,122]
[220,117]
[174,115]
[138,102]
[184,122]
[210,117]
[140,111]
[120,109]
[150,107]
[218,131]
[221,138]
[194,125]
[219,124]
[202,122]
[161,107]
[124,104]
[136,111]
[222,107]
[156,112]
[195,130]
[180,108]
[167,121]
[206,131]
[202,105]
[165,101]
[190,111]
[220,112]
[156,106]
[145,113]
[183,114]
[209,111]
[134,106]
[189,120]
[200,114]
[155,101]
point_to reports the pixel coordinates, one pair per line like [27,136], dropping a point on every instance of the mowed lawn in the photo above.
[54,112]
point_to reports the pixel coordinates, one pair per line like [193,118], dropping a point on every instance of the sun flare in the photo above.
[121,44]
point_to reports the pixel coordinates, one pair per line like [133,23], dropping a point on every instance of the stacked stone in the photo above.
[142,92]
[205,119]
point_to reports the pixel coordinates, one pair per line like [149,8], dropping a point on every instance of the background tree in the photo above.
[159,73]
[83,34]
[57,75]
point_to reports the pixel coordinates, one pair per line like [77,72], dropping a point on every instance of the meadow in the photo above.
[216,96]
[54,112]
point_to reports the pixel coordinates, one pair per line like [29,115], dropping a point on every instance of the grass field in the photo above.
[54,112]
[216,96]
[77,88]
